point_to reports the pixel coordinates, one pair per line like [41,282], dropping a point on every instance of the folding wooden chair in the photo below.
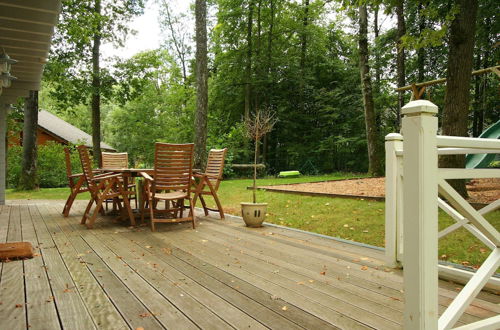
[119,160]
[76,187]
[102,187]
[211,179]
[171,183]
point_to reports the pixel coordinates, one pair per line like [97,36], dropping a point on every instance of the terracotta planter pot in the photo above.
[253,214]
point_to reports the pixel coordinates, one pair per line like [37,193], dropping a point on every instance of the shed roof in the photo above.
[65,131]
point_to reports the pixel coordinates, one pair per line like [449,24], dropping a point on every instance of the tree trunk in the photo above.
[421,50]
[375,164]
[400,59]
[269,69]
[458,77]
[376,32]
[200,123]
[96,91]
[303,54]
[248,68]
[28,179]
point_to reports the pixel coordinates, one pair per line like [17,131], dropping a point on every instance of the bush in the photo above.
[51,171]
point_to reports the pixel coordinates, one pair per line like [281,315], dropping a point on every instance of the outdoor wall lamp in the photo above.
[6,62]
[6,79]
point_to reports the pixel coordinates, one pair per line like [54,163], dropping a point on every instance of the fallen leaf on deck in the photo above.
[148,246]
[19,305]
[139,328]
[300,283]
[204,241]
[274,297]
[311,281]
[144,315]
[167,251]
[364,268]
[284,308]
[394,298]
[322,273]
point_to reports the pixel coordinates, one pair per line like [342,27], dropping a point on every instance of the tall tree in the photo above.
[400,57]
[248,67]
[201,84]
[28,178]
[96,87]
[74,68]
[372,136]
[458,78]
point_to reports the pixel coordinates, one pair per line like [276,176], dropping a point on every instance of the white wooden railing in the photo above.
[415,188]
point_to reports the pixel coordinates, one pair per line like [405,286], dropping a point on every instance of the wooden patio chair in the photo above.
[102,187]
[75,187]
[171,183]
[118,160]
[211,179]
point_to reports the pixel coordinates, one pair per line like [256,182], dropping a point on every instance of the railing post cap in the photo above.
[394,137]
[419,106]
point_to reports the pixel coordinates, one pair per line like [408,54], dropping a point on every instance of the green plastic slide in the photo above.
[483,160]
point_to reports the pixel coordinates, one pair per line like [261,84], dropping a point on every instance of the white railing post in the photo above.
[420,215]
[393,142]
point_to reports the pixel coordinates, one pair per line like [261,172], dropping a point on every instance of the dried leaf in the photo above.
[284,308]
[364,268]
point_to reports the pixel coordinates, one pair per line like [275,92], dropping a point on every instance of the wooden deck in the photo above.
[221,275]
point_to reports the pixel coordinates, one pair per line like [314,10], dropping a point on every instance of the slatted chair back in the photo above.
[69,171]
[114,159]
[215,166]
[173,167]
[83,152]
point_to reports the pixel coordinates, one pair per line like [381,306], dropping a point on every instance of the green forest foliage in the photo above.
[299,62]
[51,164]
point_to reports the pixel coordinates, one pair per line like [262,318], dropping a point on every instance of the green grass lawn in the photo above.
[351,219]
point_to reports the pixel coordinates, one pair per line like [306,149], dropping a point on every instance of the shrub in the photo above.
[51,171]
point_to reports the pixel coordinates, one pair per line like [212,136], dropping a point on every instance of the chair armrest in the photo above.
[106,176]
[146,176]
[77,175]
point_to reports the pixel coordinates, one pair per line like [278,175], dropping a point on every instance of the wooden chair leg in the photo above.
[98,207]
[86,212]
[69,203]
[151,214]
[219,206]
[191,211]
[202,200]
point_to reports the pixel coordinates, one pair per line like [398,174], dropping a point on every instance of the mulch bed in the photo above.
[481,191]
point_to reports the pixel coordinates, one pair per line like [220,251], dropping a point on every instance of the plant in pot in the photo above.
[256,126]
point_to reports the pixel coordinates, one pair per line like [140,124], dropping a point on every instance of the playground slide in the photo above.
[483,160]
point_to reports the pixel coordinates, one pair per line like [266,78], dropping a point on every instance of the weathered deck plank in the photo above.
[100,307]
[72,310]
[230,288]
[13,308]
[41,307]
[220,276]
[132,311]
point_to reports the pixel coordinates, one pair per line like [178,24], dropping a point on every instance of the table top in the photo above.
[135,170]
[127,170]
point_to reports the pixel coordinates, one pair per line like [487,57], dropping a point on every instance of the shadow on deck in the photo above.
[221,275]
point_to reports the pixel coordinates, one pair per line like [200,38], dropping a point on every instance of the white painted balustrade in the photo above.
[415,188]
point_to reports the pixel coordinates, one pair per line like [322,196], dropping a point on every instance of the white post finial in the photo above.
[419,107]
[420,215]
